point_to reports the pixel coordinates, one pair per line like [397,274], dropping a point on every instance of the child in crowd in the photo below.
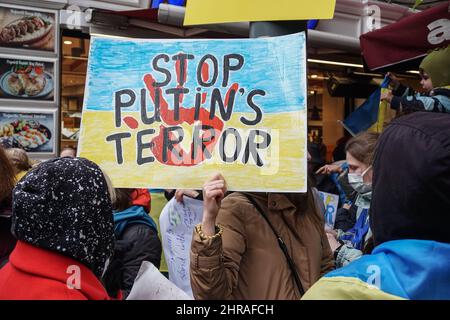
[435,74]
[136,240]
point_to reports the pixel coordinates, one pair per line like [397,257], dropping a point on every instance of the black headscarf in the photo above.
[411,179]
[64,205]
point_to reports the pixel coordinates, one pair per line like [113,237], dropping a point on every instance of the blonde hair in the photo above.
[19,159]
[111,190]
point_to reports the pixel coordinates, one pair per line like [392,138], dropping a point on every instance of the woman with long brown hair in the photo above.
[7,181]
[257,245]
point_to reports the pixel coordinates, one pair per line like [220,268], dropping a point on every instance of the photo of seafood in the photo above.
[33,132]
[27,29]
[26,79]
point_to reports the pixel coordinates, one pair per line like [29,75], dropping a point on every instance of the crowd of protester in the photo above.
[390,238]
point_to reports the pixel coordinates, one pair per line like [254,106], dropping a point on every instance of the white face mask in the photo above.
[356,180]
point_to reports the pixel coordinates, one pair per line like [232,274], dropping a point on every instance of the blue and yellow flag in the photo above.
[370,115]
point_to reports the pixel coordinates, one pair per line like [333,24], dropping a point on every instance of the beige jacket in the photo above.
[247,262]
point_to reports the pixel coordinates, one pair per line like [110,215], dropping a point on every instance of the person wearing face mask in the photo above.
[409,218]
[348,245]
[62,219]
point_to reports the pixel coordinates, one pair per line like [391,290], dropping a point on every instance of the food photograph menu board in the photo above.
[27,29]
[27,79]
[31,130]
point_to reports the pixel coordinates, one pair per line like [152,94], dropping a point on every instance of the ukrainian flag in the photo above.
[397,269]
[371,114]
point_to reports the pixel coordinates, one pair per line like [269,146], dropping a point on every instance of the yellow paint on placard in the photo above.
[224,11]
[284,169]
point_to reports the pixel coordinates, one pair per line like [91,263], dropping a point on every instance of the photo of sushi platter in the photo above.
[33,132]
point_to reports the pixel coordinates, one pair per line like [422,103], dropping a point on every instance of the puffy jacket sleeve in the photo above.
[417,103]
[346,255]
[146,246]
[215,262]
[408,100]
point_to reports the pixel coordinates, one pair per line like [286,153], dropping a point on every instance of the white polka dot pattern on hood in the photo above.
[63,205]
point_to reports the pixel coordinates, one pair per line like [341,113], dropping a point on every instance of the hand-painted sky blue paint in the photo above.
[276,65]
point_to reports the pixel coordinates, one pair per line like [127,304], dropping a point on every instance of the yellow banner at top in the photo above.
[214,11]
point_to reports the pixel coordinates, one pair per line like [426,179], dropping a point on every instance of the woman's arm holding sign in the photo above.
[217,250]
[213,192]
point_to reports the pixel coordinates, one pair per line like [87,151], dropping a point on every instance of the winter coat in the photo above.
[398,269]
[246,262]
[347,253]
[39,274]
[136,241]
[409,217]
[407,100]
[345,218]
[64,205]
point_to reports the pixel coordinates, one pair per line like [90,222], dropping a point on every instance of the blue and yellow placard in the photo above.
[171,113]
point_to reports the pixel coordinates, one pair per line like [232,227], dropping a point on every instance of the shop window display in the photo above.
[74,66]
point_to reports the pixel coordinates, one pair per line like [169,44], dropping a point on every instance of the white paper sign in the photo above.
[177,222]
[331,202]
[150,284]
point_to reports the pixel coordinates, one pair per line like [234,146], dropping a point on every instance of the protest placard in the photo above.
[177,222]
[150,284]
[171,113]
[331,202]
